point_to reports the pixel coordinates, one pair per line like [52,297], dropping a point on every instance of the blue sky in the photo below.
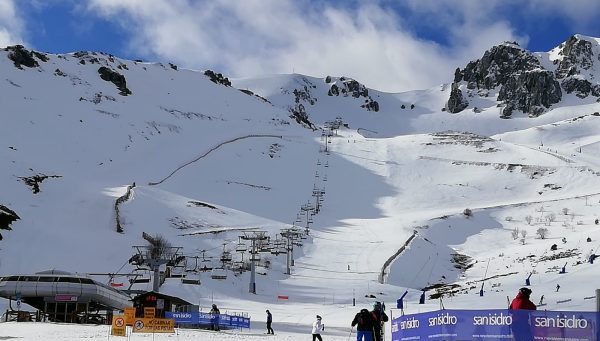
[392,45]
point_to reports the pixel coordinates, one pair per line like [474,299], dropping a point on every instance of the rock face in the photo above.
[497,66]
[217,78]
[346,87]
[23,57]
[457,101]
[115,78]
[518,75]
[524,82]
[576,67]
[531,92]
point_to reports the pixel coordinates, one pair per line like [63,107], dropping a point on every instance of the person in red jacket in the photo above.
[520,322]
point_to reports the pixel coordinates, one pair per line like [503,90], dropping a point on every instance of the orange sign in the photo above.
[152,325]
[149,312]
[118,326]
[129,316]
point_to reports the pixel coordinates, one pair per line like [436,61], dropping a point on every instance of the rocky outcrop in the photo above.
[115,78]
[346,87]
[250,93]
[574,68]
[531,92]
[23,57]
[525,81]
[217,78]
[457,102]
[7,216]
[581,87]
[577,55]
[299,114]
[497,66]
[518,74]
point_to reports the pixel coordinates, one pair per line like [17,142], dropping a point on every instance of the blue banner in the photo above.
[222,320]
[455,325]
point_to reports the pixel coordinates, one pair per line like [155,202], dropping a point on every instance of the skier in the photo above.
[379,318]
[269,321]
[557,287]
[520,325]
[317,328]
[364,325]
[214,317]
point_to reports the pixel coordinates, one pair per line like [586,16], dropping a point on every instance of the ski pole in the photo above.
[351,330]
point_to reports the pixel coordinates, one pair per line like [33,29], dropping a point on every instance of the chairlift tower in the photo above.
[292,235]
[318,193]
[254,237]
[159,252]
[307,210]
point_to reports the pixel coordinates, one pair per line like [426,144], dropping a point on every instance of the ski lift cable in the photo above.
[122,266]
[432,267]
[418,272]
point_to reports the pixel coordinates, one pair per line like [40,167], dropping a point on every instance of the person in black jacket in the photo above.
[269,322]
[379,317]
[364,325]
[214,317]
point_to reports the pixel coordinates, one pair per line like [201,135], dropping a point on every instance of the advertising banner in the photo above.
[222,320]
[454,325]
[153,325]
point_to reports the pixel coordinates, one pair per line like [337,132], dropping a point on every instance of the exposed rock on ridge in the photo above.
[350,87]
[523,83]
[578,59]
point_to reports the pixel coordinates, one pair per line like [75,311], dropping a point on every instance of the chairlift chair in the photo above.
[218,274]
[241,247]
[226,256]
[205,268]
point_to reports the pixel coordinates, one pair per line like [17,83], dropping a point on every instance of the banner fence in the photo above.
[207,319]
[500,324]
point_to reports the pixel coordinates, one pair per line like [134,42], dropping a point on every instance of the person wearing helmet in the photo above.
[379,318]
[520,325]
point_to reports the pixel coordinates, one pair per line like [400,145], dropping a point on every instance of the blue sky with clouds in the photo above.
[392,45]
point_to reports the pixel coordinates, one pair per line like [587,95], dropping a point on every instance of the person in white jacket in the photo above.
[317,328]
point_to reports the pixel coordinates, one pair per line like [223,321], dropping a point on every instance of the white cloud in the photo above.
[11,25]
[257,37]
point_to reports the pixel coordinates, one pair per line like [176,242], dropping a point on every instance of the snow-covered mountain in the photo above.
[420,190]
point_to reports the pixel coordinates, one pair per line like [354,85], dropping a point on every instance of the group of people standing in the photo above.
[369,324]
